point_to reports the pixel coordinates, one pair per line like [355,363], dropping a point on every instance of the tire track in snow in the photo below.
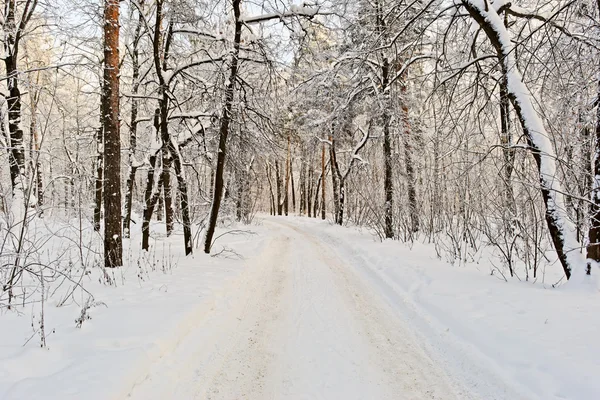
[248,362]
[299,324]
[406,372]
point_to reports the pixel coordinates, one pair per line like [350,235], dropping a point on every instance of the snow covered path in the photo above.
[298,324]
[310,311]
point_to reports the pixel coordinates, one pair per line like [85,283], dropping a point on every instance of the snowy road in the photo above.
[300,323]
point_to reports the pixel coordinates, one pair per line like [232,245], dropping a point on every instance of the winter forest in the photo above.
[430,167]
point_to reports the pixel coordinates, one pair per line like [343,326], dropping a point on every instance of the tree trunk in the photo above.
[166,178]
[183,198]
[302,187]
[287,181]
[323,193]
[224,129]
[560,227]
[134,123]
[279,187]
[336,177]
[410,170]
[11,48]
[293,186]
[309,190]
[151,196]
[316,201]
[99,174]
[113,240]
[388,183]
[272,195]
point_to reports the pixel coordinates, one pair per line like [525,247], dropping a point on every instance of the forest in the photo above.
[137,135]
[464,123]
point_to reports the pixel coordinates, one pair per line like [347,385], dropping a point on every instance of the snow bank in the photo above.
[514,340]
[158,297]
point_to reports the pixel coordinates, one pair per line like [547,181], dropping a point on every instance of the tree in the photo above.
[14,26]
[113,240]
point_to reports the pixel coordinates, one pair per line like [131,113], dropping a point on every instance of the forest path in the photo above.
[299,323]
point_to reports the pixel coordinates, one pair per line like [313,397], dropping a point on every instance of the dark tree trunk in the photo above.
[272,195]
[287,181]
[388,184]
[167,185]
[239,196]
[302,187]
[293,187]
[279,185]
[342,202]
[150,199]
[13,33]
[323,176]
[309,190]
[184,199]
[410,169]
[316,201]
[113,240]
[336,178]
[224,129]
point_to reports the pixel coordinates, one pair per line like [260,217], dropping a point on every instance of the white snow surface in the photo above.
[311,311]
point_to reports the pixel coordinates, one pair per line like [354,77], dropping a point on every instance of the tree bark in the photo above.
[272,195]
[336,177]
[388,184]
[302,187]
[316,202]
[224,129]
[151,196]
[113,240]
[279,187]
[14,32]
[309,190]
[293,186]
[287,181]
[323,193]
[166,178]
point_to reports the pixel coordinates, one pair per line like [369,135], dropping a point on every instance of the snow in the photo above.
[313,311]
[157,297]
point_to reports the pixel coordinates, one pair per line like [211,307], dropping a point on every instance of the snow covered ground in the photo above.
[312,311]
